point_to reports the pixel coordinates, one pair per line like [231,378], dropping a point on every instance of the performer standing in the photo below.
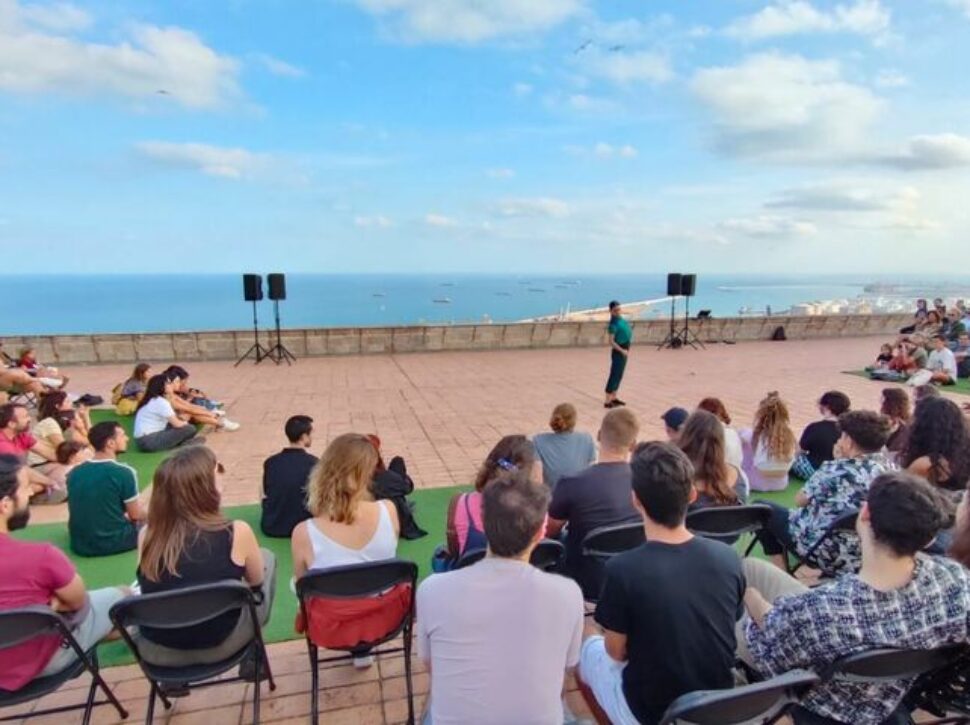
[621,335]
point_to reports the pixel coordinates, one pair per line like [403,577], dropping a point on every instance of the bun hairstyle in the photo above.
[563,418]
[514,452]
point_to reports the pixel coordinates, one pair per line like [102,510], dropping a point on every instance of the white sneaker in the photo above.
[229,425]
[219,413]
[363,662]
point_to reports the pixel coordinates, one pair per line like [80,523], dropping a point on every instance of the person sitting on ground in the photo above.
[883,359]
[188,393]
[565,451]
[36,574]
[127,395]
[599,496]
[157,427]
[347,527]
[501,655]
[938,444]
[285,478]
[940,306]
[188,541]
[717,482]
[103,505]
[819,438]
[58,419]
[72,453]
[674,420]
[770,446]
[910,357]
[47,479]
[677,594]
[961,353]
[895,406]
[463,525]
[933,324]
[900,598]
[953,326]
[733,448]
[941,363]
[50,376]
[837,488]
[194,413]
[392,483]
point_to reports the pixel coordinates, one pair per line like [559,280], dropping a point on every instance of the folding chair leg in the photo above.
[89,705]
[269,670]
[256,688]
[407,673]
[150,715]
[99,681]
[314,684]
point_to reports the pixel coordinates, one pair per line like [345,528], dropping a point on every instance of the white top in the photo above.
[943,361]
[499,636]
[328,553]
[733,450]
[153,417]
[44,430]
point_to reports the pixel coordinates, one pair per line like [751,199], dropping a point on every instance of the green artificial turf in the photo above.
[961,387]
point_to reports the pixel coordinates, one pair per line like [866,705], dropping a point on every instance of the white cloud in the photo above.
[784,107]
[891,79]
[931,152]
[603,150]
[366,222]
[500,173]
[469,21]
[628,68]
[859,203]
[151,62]
[586,103]
[439,220]
[522,89]
[963,5]
[794,17]
[534,207]
[229,163]
[279,67]
[768,227]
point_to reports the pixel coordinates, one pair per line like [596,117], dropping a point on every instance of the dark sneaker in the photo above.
[617,403]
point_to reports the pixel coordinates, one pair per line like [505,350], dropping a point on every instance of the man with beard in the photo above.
[34,574]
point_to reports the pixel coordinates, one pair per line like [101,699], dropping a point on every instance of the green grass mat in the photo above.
[961,387]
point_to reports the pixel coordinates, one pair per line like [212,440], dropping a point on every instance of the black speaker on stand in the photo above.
[674,286]
[277,292]
[253,292]
[688,287]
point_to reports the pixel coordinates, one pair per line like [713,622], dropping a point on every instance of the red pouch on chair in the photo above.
[345,623]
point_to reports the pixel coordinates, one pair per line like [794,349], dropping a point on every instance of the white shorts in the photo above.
[604,676]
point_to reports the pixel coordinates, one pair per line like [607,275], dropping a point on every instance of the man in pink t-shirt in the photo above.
[34,574]
[48,481]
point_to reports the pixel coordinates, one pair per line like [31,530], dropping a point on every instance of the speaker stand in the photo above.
[278,353]
[673,337]
[257,351]
[687,335]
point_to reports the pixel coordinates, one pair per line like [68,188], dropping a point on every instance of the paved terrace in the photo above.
[442,412]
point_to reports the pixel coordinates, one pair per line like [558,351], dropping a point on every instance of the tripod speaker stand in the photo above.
[277,292]
[673,291]
[688,287]
[253,292]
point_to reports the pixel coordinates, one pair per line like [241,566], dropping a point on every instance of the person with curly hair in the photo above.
[937,444]
[770,446]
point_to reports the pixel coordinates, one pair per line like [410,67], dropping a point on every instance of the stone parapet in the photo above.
[230,344]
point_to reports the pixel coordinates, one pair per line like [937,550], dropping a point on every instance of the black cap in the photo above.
[675,418]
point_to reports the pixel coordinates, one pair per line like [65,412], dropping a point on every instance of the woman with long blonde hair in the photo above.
[187,541]
[770,446]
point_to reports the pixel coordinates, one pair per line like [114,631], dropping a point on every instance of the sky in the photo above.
[464,136]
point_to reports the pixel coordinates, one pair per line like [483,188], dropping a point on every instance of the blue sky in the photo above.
[485,135]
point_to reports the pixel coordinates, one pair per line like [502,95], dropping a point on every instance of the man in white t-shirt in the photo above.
[942,363]
[500,635]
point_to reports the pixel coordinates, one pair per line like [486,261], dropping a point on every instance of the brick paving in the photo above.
[442,412]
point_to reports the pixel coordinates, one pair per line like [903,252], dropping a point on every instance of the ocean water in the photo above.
[57,304]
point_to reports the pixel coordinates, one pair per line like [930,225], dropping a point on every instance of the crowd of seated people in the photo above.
[934,349]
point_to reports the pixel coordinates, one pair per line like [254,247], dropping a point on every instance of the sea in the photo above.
[66,304]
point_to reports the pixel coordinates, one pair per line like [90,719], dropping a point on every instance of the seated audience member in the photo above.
[677,594]
[188,393]
[884,357]
[157,427]
[49,376]
[72,453]
[895,406]
[392,483]
[941,363]
[599,496]
[182,400]
[188,541]
[126,395]
[674,420]
[39,574]
[961,353]
[502,654]
[769,447]
[565,451]
[58,419]
[838,487]
[346,527]
[938,445]
[463,526]
[733,448]
[953,325]
[900,598]
[47,480]
[933,324]
[910,356]
[103,504]
[717,483]
[819,438]
[16,381]
[285,478]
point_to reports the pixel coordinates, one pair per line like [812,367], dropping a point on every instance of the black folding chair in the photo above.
[603,543]
[843,524]
[944,690]
[548,555]
[727,523]
[189,607]
[359,581]
[765,702]
[18,626]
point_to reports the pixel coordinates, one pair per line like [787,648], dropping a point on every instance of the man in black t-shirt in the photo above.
[668,608]
[285,479]
[601,495]
[819,438]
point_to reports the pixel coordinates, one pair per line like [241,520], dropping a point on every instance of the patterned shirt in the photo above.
[836,487]
[813,629]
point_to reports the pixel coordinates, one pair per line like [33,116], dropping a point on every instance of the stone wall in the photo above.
[230,344]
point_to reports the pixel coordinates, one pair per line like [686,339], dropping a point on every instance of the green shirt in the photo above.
[97,492]
[620,331]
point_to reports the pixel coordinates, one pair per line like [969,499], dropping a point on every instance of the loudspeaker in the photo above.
[252,287]
[688,284]
[673,285]
[277,286]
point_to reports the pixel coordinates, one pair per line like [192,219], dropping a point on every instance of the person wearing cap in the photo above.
[674,420]
[621,335]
